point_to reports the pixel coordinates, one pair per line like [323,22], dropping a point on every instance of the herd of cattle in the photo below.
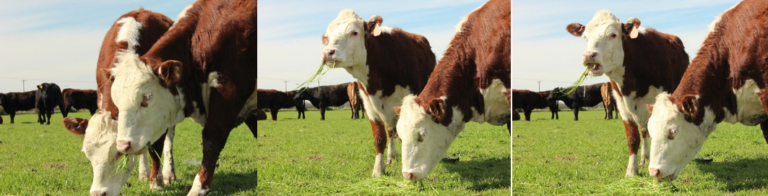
[320,97]
[45,99]
[581,96]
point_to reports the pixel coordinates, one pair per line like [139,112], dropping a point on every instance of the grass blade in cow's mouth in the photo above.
[317,75]
[582,78]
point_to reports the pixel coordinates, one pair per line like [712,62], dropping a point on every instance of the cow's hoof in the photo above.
[156,185]
[169,179]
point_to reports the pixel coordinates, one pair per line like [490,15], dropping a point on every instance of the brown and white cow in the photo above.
[79,99]
[608,102]
[389,63]
[469,84]
[727,81]
[204,68]
[133,33]
[641,62]
[355,101]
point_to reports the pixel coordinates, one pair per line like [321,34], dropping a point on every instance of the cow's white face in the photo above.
[424,142]
[604,33]
[674,140]
[99,147]
[345,41]
[147,108]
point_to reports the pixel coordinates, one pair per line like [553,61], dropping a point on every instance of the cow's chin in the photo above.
[595,69]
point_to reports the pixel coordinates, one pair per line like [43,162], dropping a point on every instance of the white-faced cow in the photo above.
[79,99]
[204,68]
[471,83]
[389,63]
[641,62]
[134,32]
[47,97]
[727,81]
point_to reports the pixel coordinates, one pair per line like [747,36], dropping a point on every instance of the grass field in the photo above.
[335,157]
[46,160]
[590,157]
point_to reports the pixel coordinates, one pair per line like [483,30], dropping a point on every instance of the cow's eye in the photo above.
[145,99]
[354,34]
[613,35]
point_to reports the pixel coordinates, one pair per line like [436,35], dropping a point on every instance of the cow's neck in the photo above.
[711,82]
[359,72]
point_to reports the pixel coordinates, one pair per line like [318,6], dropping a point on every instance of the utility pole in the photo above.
[286,86]
[22,85]
[539,86]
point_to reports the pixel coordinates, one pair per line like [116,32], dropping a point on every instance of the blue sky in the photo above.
[59,41]
[543,51]
[289,33]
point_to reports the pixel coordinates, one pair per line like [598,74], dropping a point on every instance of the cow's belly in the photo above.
[749,109]
[632,108]
[497,110]
[379,107]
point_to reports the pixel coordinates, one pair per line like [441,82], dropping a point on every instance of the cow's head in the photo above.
[424,139]
[143,96]
[675,139]
[99,147]
[604,35]
[345,39]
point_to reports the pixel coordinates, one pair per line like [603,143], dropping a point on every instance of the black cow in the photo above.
[13,102]
[587,96]
[79,99]
[299,103]
[274,100]
[47,97]
[323,96]
[553,107]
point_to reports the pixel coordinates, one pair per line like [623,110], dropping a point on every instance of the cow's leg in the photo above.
[1,120]
[646,153]
[273,111]
[322,112]
[12,114]
[527,112]
[155,176]
[251,122]
[40,116]
[380,142]
[762,95]
[576,108]
[144,166]
[169,169]
[48,115]
[214,138]
[633,141]
[391,149]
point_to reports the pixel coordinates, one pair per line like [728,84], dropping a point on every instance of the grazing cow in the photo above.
[727,81]
[13,102]
[470,83]
[641,63]
[324,96]
[528,100]
[552,104]
[47,97]
[355,102]
[274,100]
[583,96]
[79,99]
[204,68]
[133,32]
[389,63]
[301,108]
[260,115]
[608,102]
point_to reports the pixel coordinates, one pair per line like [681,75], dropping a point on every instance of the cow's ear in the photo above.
[373,26]
[170,72]
[397,110]
[325,39]
[436,107]
[75,126]
[689,106]
[631,27]
[40,86]
[576,29]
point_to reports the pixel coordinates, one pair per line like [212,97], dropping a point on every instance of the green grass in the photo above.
[335,157]
[46,160]
[589,156]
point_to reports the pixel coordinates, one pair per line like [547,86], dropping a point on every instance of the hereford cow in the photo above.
[274,100]
[133,33]
[355,102]
[470,83]
[13,102]
[608,102]
[528,100]
[641,62]
[389,63]
[324,96]
[582,96]
[192,71]
[79,99]
[47,97]
[727,81]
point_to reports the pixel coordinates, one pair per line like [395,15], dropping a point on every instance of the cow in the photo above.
[640,62]
[582,96]
[390,63]
[608,102]
[260,115]
[725,82]
[79,99]
[515,115]
[274,100]
[470,83]
[191,71]
[355,102]
[17,101]
[301,107]
[554,108]
[528,100]
[324,96]
[47,97]
[134,32]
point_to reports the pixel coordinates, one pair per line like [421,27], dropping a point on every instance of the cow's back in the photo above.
[398,58]
[653,59]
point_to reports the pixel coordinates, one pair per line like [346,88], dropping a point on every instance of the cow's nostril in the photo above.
[123,146]
[593,55]
[331,52]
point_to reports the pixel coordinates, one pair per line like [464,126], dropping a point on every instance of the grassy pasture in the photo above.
[46,160]
[589,156]
[335,157]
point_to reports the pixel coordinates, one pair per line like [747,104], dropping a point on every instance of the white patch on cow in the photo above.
[129,32]
[349,48]
[608,50]
[464,19]
[641,30]
[140,125]
[632,108]
[497,109]
[144,166]
[420,157]
[169,171]
[197,187]
[670,156]
[181,15]
[250,105]
[99,147]
[749,109]
[718,18]
[380,108]
[213,79]
[386,29]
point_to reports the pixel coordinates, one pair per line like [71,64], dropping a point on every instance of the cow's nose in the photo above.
[123,146]
[409,176]
[98,193]
[329,52]
[590,55]
[655,173]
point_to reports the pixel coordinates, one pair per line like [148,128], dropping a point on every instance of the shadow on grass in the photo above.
[224,183]
[493,173]
[739,174]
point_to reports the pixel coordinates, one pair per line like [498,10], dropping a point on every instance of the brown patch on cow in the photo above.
[355,100]
[608,101]
[575,29]
[76,126]
[55,166]
[633,136]
[170,72]
[379,136]
[567,158]
[314,157]
[528,100]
